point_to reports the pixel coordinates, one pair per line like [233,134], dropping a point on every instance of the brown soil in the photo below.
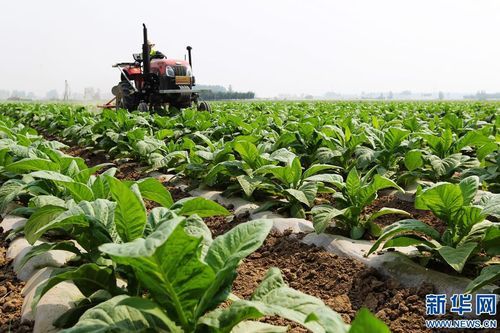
[11,299]
[91,158]
[221,224]
[176,193]
[344,284]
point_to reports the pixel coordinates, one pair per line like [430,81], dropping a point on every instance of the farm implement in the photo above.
[155,84]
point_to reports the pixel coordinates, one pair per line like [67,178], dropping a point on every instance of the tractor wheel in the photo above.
[126,99]
[204,106]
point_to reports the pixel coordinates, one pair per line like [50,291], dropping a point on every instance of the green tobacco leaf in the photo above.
[283,155]
[329,178]
[365,322]
[323,215]
[32,164]
[44,200]
[84,175]
[445,166]
[79,191]
[402,241]
[45,247]
[248,152]
[248,184]
[52,217]
[130,213]
[404,227]
[315,168]
[394,136]
[200,206]
[149,307]
[443,199]
[154,190]
[9,191]
[236,244]
[488,275]
[413,160]
[491,205]
[299,196]
[469,187]
[353,182]
[486,149]
[386,211]
[36,224]
[223,320]
[168,262]
[491,240]
[257,327]
[224,255]
[457,257]
[108,317]
[89,278]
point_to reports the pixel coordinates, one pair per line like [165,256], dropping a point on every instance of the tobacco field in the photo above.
[121,194]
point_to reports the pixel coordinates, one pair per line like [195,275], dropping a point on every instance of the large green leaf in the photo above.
[315,168]
[130,213]
[488,275]
[248,152]
[323,215]
[413,160]
[168,262]
[89,278]
[9,191]
[200,206]
[298,195]
[45,247]
[52,217]
[457,257]
[353,182]
[408,226]
[394,136]
[32,164]
[444,166]
[109,317]
[469,187]
[149,307]
[154,190]
[226,252]
[79,191]
[249,184]
[366,322]
[443,199]
[386,211]
[38,221]
[257,327]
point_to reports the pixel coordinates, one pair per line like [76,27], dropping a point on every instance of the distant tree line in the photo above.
[482,95]
[211,93]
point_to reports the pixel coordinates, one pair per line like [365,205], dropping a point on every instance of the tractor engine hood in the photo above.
[179,67]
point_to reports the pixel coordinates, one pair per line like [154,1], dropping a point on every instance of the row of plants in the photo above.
[155,271]
[289,154]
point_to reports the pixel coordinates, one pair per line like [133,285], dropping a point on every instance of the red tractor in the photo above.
[152,84]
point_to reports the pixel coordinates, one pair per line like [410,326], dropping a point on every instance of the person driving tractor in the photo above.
[153,54]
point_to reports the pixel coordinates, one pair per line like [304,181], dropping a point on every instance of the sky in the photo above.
[268,46]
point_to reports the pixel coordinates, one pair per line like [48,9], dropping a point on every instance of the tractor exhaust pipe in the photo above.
[146,62]
[189,48]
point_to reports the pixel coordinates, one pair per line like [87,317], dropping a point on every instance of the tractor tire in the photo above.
[126,98]
[204,106]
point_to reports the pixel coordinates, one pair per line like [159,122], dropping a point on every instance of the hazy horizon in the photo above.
[269,47]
